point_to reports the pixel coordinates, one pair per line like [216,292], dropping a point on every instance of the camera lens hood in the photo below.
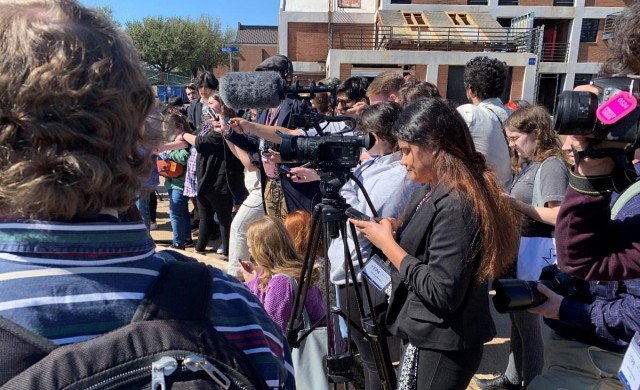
[517,294]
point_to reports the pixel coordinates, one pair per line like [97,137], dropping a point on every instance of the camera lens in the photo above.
[575,113]
[516,294]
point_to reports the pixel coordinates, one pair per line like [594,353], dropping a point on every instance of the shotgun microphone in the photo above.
[242,90]
[261,89]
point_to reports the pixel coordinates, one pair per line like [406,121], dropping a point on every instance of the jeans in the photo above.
[143,206]
[179,216]
[250,211]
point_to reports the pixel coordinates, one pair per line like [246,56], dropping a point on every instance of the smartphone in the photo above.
[355,214]
[285,169]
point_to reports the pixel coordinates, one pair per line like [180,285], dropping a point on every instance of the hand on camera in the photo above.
[303,175]
[356,109]
[551,308]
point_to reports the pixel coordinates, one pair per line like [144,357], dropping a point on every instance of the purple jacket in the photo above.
[278,298]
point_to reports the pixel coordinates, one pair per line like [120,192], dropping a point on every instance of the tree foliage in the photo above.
[108,12]
[178,44]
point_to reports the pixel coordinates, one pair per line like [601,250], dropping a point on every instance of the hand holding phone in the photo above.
[355,214]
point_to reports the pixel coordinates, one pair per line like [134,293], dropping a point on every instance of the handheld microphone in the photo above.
[243,90]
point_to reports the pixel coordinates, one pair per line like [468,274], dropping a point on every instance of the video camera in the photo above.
[517,294]
[613,114]
[329,153]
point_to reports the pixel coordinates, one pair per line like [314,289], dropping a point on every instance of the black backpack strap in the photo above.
[182,291]
[20,348]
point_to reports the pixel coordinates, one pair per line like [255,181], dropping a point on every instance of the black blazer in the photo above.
[436,303]
[194,115]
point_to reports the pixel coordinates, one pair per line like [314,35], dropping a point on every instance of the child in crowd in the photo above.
[276,260]
[174,125]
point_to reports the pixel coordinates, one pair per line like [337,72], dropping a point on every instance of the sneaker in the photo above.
[188,242]
[177,246]
[220,251]
[499,382]
[153,226]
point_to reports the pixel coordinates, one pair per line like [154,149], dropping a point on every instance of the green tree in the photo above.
[177,44]
[108,12]
[209,39]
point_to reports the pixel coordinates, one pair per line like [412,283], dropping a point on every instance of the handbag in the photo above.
[309,359]
[535,253]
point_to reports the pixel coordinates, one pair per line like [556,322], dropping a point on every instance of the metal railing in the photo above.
[463,38]
[555,52]
[609,25]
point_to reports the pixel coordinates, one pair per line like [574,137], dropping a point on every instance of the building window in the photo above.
[477,2]
[563,3]
[589,31]
[400,1]
[459,19]
[414,19]
[507,2]
[349,3]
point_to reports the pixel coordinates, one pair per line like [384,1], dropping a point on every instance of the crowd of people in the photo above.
[451,197]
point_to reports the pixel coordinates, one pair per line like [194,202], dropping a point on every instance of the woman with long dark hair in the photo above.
[458,232]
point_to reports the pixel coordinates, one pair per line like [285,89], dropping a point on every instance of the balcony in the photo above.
[555,52]
[609,26]
[470,39]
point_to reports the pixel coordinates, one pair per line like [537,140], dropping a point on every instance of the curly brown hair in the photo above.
[623,51]
[74,100]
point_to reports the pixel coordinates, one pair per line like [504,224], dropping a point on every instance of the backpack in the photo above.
[169,344]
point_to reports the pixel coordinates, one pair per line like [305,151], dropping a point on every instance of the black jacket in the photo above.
[436,303]
[218,170]
[194,115]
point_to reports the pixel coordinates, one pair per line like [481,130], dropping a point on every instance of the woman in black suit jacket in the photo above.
[458,232]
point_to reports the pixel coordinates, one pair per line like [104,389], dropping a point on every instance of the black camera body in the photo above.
[575,111]
[329,153]
[517,294]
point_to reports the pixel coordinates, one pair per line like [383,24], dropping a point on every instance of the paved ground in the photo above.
[495,353]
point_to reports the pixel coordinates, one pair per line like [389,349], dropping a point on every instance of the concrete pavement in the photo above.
[496,352]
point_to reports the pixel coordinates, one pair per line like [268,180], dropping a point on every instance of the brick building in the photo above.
[549,45]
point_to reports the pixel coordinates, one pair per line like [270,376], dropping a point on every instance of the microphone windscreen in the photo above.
[244,90]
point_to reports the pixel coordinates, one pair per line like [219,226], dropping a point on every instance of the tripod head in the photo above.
[333,205]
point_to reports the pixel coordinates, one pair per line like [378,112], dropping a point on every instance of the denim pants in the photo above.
[179,216]
[143,206]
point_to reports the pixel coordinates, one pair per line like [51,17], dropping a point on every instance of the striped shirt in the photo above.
[70,282]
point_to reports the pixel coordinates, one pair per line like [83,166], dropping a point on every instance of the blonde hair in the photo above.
[385,83]
[273,250]
[74,100]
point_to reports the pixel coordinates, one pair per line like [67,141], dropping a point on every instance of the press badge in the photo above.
[377,272]
[630,369]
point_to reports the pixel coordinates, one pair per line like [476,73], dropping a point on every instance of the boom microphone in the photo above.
[243,90]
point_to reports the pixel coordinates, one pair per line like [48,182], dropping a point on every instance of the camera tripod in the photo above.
[329,220]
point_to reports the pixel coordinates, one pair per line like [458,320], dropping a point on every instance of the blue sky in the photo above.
[260,12]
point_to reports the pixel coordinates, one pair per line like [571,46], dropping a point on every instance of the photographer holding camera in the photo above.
[589,340]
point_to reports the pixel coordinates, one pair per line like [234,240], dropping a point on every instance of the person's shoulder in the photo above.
[553,165]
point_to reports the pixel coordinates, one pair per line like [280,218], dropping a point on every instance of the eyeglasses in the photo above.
[345,104]
[514,138]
